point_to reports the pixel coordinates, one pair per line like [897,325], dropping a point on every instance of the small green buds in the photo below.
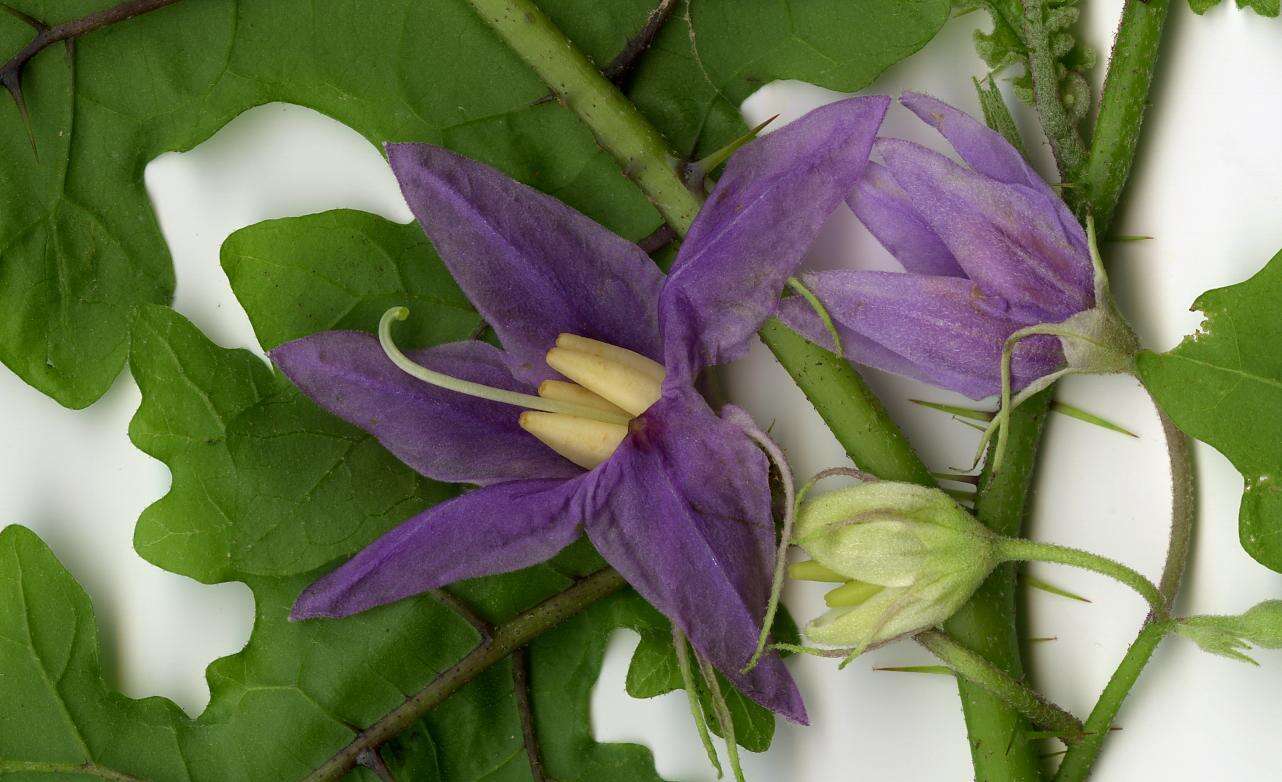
[907,556]
[1232,636]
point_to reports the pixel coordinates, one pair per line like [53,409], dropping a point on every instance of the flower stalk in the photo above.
[507,638]
[976,669]
[1023,550]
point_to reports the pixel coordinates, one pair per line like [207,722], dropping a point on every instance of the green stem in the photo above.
[641,150]
[979,671]
[853,413]
[1179,452]
[1024,550]
[1061,131]
[1079,759]
[1121,112]
[682,648]
[987,624]
[1122,105]
[507,638]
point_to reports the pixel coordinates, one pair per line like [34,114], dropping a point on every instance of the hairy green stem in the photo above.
[1061,131]
[1000,501]
[1122,106]
[507,638]
[1023,550]
[853,413]
[641,150]
[980,672]
[986,624]
[1179,451]
[1081,758]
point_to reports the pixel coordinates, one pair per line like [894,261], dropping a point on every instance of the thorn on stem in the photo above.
[13,83]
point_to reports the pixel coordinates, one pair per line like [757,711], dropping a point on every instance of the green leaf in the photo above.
[264,482]
[839,45]
[653,671]
[342,270]
[1223,385]
[79,242]
[287,701]
[1261,7]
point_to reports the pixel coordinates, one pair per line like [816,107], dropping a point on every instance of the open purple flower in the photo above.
[602,350]
[1002,289]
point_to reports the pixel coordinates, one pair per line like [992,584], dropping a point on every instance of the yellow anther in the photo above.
[625,385]
[810,570]
[618,355]
[585,442]
[569,392]
[851,594]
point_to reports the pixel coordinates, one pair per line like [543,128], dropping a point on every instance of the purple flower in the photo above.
[989,249]
[671,494]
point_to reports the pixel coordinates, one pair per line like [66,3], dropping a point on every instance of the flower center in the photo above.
[583,418]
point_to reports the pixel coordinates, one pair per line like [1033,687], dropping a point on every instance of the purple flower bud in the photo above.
[989,249]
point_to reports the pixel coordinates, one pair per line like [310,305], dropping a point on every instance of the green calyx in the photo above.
[1098,341]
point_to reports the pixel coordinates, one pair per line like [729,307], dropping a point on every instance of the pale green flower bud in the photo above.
[910,557]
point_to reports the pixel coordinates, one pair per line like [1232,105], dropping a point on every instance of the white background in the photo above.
[1208,187]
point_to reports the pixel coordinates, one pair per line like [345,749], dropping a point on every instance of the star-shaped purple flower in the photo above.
[681,505]
[989,249]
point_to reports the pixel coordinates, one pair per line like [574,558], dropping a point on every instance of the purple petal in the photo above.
[775,195]
[940,330]
[496,529]
[531,265]
[442,434]
[883,206]
[980,146]
[987,152]
[682,509]
[1008,238]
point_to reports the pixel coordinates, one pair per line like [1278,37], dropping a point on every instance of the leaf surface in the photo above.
[1223,385]
[289,700]
[79,242]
